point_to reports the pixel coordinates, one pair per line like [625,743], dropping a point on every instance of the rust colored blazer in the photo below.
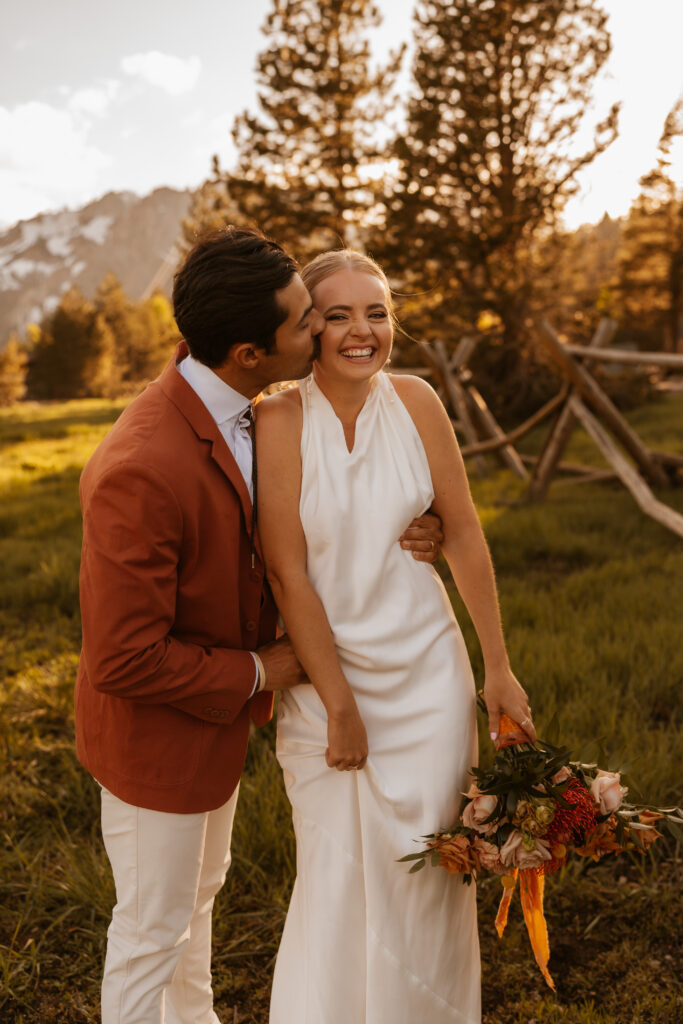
[171,607]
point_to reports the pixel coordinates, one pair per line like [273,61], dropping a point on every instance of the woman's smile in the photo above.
[358,354]
[358,329]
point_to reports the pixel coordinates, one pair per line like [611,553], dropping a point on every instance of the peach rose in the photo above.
[607,791]
[488,856]
[457,856]
[522,851]
[480,808]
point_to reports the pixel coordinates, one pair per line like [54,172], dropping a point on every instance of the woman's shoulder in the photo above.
[280,408]
[415,393]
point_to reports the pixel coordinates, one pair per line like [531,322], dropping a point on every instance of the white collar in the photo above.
[222,401]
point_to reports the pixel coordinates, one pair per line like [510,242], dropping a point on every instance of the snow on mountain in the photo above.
[121,232]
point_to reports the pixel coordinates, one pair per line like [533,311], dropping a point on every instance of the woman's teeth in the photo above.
[357,353]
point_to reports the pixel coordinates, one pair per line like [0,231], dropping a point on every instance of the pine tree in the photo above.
[301,171]
[651,260]
[72,353]
[13,370]
[576,288]
[499,91]
[140,334]
[64,350]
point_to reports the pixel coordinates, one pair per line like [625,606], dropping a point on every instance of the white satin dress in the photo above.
[364,941]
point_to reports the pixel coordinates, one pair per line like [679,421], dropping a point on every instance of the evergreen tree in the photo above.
[577,286]
[139,334]
[13,370]
[212,206]
[65,350]
[301,166]
[100,349]
[651,259]
[500,89]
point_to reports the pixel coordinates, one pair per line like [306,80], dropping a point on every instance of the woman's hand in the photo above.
[347,739]
[503,693]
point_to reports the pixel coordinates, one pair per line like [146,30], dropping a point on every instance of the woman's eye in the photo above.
[335,316]
[379,315]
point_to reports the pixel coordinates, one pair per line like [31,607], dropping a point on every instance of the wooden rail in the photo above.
[627,356]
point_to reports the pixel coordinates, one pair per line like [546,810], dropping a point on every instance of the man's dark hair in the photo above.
[224,293]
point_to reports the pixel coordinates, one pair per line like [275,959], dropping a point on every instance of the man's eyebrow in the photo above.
[305,315]
[347,309]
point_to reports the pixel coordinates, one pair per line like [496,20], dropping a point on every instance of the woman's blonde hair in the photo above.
[328,263]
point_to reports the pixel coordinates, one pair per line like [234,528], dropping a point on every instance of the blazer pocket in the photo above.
[161,746]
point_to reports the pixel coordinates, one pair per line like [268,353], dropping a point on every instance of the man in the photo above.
[178,625]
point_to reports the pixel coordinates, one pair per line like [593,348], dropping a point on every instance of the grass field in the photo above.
[591,593]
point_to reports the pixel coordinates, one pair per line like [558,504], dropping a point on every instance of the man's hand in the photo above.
[423,537]
[281,665]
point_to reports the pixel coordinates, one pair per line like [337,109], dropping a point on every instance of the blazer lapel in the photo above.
[184,397]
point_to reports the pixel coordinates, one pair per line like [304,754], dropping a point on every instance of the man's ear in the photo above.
[246,356]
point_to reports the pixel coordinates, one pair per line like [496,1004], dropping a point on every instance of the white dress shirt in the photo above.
[228,408]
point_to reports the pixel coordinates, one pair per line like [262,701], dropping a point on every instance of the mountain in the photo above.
[130,235]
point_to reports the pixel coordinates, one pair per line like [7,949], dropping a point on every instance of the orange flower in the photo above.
[650,836]
[457,856]
[601,840]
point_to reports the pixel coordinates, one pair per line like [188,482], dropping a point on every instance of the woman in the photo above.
[348,459]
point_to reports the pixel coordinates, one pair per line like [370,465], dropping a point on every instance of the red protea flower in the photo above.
[571,825]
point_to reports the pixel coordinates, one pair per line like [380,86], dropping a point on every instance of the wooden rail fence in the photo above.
[579,401]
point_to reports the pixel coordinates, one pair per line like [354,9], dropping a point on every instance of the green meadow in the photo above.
[591,593]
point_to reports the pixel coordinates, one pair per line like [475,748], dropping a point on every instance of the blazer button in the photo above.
[251,625]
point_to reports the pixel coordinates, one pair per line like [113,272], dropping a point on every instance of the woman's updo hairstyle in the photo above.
[328,263]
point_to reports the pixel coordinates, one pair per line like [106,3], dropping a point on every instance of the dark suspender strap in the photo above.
[254,483]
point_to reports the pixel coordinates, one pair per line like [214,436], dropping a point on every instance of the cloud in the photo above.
[174,75]
[46,159]
[94,100]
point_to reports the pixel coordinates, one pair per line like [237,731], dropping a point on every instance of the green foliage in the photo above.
[485,157]
[650,273]
[591,594]
[486,163]
[13,370]
[105,348]
[576,276]
[299,173]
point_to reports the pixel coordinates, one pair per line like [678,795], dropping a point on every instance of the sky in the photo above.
[138,94]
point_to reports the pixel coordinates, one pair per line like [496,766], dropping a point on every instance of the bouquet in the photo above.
[529,812]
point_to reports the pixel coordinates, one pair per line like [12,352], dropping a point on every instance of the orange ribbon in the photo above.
[531,896]
[531,883]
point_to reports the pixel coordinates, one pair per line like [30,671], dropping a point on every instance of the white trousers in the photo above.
[167,870]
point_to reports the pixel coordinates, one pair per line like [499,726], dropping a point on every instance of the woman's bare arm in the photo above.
[465,549]
[278,434]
